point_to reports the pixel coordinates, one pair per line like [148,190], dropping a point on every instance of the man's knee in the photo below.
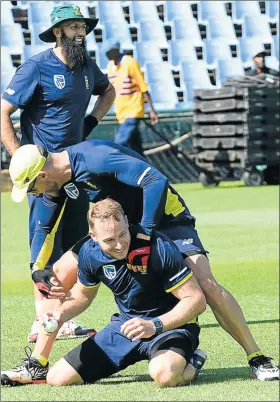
[62,373]
[165,372]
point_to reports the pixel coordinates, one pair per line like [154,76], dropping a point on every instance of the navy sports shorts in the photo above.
[185,237]
[110,351]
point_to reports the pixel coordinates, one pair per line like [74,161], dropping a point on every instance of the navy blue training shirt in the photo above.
[136,293]
[104,169]
[54,99]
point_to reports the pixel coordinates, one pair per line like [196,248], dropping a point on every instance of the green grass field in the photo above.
[239,226]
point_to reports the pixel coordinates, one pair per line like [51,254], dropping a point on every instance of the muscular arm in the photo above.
[8,135]
[191,304]
[80,298]
[104,103]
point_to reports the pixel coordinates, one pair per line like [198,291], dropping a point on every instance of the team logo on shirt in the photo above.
[59,81]
[109,271]
[72,191]
[86,82]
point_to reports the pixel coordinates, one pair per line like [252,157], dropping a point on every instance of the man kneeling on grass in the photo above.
[158,307]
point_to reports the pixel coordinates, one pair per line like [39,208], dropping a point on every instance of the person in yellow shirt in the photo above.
[131,92]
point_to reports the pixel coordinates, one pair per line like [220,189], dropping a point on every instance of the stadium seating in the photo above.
[257,26]
[229,68]
[211,9]
[38,12]
[159,73]
[181,50]
[242,8]
[272,62]
[177,9]
[6,13]
[35,29]
[187,28]
[110,11]
[12,36]
[249,47]
[215,50]
[6,60]
[147,52]
[221,28]
[276,46]
[153,31]
[272,10]
[164,97]
[119,31]
[144,11]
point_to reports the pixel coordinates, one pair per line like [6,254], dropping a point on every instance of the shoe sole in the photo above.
[7,381]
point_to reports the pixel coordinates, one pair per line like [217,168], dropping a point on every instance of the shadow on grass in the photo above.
[248,322]
[207,376]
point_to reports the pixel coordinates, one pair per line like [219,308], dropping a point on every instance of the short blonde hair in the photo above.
[105,209]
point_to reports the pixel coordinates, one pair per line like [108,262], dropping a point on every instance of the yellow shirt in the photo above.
[129,84]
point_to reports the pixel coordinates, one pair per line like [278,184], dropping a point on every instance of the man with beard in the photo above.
[54,89]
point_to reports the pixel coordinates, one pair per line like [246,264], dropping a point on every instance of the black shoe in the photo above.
[30,371]
[263,369]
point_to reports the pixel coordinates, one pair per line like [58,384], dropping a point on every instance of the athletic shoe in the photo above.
[30,371]
[70,329]
[197,360]
[263,369]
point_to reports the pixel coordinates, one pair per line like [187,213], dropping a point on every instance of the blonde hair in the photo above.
[105,209]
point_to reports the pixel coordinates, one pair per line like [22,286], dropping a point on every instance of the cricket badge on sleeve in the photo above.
[59,81]
[109,271]
[72,191]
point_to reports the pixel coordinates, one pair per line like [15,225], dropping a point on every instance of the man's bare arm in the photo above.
[104,103]
[8,135]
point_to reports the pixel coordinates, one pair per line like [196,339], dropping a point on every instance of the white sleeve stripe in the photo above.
[179,273]
[143,175]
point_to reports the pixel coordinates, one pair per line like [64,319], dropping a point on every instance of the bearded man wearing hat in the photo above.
[54,88]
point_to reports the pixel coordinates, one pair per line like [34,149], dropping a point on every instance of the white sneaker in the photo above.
[263,369]
[70,329]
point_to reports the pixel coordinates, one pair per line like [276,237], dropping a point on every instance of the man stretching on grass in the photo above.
[101,169]
[158,308]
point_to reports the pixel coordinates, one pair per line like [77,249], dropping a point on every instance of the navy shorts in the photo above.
[110,351]
[129,135]
[185,237]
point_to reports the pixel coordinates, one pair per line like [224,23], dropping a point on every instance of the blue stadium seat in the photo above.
[258,26]
[39,11]
[6,13]
[6,60]
[272,10]
[221,28]
[119,30]
[163,97]
[147,52]
[35,29]
[276,46]
[101,58]
[229,68]
[12,36]
[181,50]
[194,76]
[160,73]
[272,62]
[177,9]
[216,50]
[242,8]
[208,9]
[110,11]
[153,31]
[187,28]
[32,50]
[144,11]
[249,47]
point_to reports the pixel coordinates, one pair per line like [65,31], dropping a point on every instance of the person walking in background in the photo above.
[54,89]
[131,92]
[261,69]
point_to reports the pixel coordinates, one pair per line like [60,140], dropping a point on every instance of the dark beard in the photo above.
[75,54]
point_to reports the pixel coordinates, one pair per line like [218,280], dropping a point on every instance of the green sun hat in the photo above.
[65,13]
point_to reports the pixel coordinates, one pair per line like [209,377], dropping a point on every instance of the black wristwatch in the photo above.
[158,325]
